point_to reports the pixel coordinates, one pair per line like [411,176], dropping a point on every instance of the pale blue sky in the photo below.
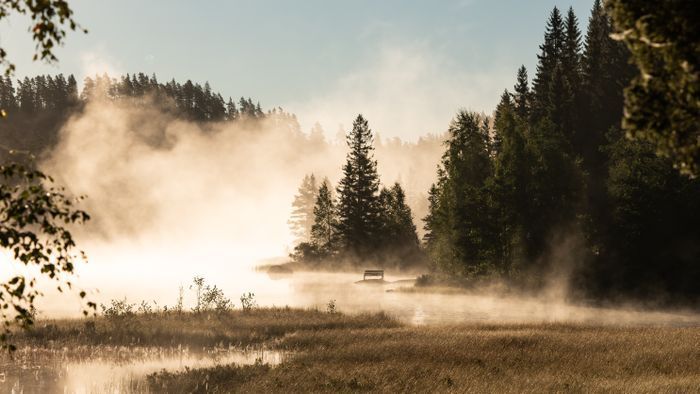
[408,65]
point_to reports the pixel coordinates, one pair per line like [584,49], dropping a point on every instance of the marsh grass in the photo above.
[466,358]
[232,328]
[333,352]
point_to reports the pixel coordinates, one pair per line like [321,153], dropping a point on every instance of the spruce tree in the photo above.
[554,188]
[561,102]
[303,209]
[550,55]
[522,94]
[399,240]
[358,194]
[431,222]
[605,71]
[317,138]
[325,222]
[460,222]
[571,72]
[509,188]
[571,56]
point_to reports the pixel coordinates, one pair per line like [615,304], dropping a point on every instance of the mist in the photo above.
[171,199]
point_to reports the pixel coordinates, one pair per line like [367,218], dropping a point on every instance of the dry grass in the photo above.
[496,358]
[374,353]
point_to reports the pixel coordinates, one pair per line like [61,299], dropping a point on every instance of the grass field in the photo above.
[374,353]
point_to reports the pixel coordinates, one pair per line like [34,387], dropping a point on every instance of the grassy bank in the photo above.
[231,328]
[496,358]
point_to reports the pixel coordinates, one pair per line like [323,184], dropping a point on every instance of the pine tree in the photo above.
[26,96]
[72,91]
[8,102]
[303,209]
[358,190]
[40,90]
[231,110]
[89,89]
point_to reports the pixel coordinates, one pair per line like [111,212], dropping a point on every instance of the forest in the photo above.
[547,187]
[38,107]
[556,171]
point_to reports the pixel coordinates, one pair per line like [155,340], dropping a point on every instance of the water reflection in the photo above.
[104,369]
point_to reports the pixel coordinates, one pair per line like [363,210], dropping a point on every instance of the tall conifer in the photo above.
[522,94]
[303,209]
[550,55]
[325,221]
[358,194]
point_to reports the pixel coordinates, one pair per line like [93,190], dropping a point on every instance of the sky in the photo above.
[407,65]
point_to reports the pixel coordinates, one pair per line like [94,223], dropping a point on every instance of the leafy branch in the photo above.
[34,220]
[49,19]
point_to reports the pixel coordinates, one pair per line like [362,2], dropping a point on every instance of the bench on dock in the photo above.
[373,273]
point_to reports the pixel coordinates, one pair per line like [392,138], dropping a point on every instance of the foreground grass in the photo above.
[374,353]
[497,358]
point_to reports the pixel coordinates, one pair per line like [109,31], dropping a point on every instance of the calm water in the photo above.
[102,369]
[315,290]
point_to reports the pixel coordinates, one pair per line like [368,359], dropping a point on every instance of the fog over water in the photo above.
[171,201]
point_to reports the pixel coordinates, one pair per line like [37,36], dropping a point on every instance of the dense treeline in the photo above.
[366,224]
[554,186]
[38,107]
[548,188]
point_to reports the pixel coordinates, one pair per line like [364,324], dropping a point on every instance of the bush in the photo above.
[248,301]
[214,299]
[118,308]
[209,298]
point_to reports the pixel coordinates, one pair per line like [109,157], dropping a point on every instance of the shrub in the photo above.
[248,301]
[118,308]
